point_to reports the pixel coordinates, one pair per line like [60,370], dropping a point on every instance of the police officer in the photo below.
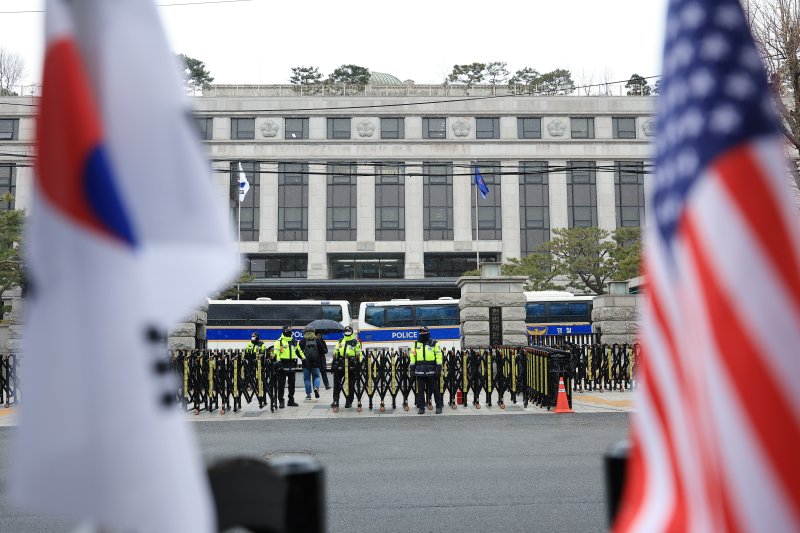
[255,346]
[347,352]
[285,352]
[426,365]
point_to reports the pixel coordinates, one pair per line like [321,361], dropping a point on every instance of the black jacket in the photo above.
[322,349]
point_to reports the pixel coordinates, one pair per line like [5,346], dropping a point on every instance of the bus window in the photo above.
[399,316]
[437,315]
[535,313]
[332,312]
[569,312]
[374,316]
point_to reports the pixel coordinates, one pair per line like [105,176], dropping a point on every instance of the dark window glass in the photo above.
[292,201]
[535,312]
[295,128]
[8,185]
[247,216]
[629,192]
[342,201]
[487,128]
[373,266]
[399,315]
[278,266]
[339,128]
[434,128]
[437,198]
[490,217]
[534,205]
[205,127]
[393,128]
[581,194]
[582,127]
[449,265]
[624,127]
[243,128]
[9,129]
[569,311]
[390,201]
[529,128]
[436,315]
[374,316]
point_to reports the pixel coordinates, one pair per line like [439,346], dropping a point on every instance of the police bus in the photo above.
[231,322]
[557,313]
[395,324]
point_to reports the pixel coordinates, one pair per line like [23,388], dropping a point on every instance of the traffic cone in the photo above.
[459,398]
[562,404]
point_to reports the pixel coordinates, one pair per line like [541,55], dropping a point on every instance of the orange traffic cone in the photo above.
[458,397]
[562,404]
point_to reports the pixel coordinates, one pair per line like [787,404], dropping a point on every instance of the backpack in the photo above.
[311,351]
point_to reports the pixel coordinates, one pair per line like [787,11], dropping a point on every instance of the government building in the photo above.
[366,193]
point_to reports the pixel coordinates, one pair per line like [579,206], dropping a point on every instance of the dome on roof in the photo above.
[381,78]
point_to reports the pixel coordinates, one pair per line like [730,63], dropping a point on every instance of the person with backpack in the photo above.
[314,348]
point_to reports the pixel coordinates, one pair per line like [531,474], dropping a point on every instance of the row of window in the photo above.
[361,266]
[244,128]
[437,182]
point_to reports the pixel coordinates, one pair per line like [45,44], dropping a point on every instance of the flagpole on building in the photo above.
[238,236]
[477,224]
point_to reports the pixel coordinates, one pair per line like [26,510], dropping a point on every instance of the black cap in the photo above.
[423,330]
[255,336]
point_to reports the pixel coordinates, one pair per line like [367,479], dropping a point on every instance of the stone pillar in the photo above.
[615,317]
[190,334]
[478,295]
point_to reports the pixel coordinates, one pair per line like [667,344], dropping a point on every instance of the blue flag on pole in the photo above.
[482,188]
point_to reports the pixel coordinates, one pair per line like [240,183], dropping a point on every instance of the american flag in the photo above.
[716,431]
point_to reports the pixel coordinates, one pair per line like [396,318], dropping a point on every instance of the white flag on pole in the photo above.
[125,236]
[244,185]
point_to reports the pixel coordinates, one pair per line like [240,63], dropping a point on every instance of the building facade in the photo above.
[372,195]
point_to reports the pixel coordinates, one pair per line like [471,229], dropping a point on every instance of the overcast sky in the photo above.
[258,41]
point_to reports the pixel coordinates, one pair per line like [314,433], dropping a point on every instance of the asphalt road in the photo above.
[473,473]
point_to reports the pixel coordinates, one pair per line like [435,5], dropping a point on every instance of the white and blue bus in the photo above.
[557,313]
[395,324]
[231,322]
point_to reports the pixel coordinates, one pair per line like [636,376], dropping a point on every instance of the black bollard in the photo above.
[615,463]
[305,497]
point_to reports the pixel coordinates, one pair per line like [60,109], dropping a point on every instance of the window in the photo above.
[339,128]
[278,266]
[372,266]
[247,216]
[342,201]
[534,205]
[9,129]
[487,128]
[243,128]
[582,127]
[390,201]
[490,220]
[393,128]
[296,128]
[8,184]
[629,192]
[529,128]
[434,128]
[437,200]
[453,265]
[436,315]
[624,127]
[292,201]
[205,127]
[581,194]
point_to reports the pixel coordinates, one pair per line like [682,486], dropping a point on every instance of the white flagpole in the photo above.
[477,224]
[239,236]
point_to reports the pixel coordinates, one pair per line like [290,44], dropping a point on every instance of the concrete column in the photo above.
[462,204]
[268,213]
[365,233]
[606,204]
[615,317]
[415,264]
[317,222]
[510,209]
[557,186]
[478,295]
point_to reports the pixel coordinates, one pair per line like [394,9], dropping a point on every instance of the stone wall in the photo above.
[190,334]
[478,295]
[615,317]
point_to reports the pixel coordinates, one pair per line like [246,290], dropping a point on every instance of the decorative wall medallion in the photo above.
[649,127]
[557,128]
[461,128]
[365,128]
[269,129]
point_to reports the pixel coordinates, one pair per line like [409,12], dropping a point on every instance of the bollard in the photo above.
[615,464]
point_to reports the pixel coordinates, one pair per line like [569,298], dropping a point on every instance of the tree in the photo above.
[657,88]
[775,25]
[583,255]
[627,253]
[637,86]
[539,269]
[558,81]
[12,69]
[467,75]
[235,290]
[305,76]
[527,76]
[195,74]
[11,267]
[496,72]
[349,75]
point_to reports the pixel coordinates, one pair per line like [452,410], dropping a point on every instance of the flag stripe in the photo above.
[774,422]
